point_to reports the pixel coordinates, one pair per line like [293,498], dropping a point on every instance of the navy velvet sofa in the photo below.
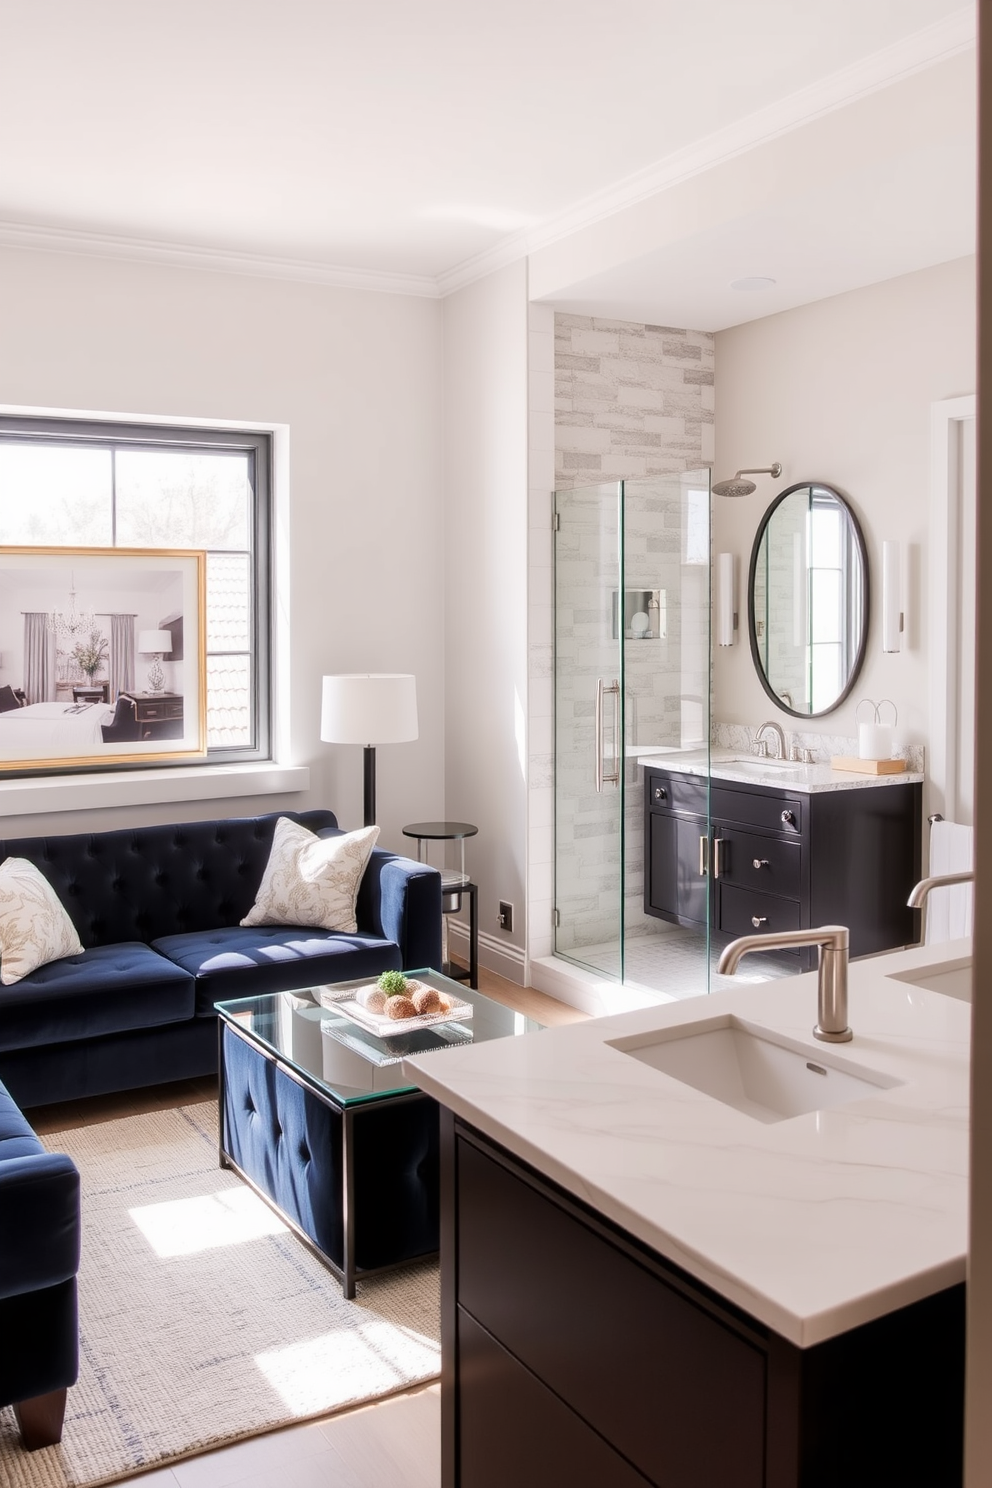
[39,1258]
[157,910]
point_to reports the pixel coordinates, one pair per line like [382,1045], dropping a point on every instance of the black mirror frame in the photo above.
[862,549]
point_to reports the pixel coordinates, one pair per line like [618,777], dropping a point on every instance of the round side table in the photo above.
[454,883]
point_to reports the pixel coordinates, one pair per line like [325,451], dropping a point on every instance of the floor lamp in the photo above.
[369,708]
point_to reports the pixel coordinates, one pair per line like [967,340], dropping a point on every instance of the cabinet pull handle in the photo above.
[758,920]
[789,818]
[717,864]
[760,862]
[704,855]
[659,793]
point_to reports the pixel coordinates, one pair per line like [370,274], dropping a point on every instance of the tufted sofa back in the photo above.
[143,882]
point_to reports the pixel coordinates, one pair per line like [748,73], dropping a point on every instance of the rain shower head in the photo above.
[738,487]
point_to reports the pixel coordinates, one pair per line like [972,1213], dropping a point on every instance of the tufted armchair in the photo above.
[39,1257]
[157,910]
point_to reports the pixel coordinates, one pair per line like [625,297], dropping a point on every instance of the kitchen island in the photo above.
[643,1283]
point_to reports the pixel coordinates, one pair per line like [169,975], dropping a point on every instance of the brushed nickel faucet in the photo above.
[834,943]
[918,896]
[761,748]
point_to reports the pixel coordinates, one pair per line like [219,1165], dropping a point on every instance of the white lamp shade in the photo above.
[369,708]
[725,599]
[154,640]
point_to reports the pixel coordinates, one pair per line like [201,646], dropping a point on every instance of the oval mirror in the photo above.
[808,600]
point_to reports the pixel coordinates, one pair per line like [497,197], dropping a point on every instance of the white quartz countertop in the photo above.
[813,1224]
[726,764]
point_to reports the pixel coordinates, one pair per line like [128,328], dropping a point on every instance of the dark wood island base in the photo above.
[574,1355]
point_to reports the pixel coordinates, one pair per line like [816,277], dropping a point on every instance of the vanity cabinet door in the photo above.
[513,1431]
[674,887]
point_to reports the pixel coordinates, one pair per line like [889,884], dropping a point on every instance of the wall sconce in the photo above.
[892,613]
[726,600]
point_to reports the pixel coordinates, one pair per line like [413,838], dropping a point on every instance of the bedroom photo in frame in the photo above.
[102,657]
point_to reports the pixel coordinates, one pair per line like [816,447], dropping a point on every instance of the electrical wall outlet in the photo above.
[505,915]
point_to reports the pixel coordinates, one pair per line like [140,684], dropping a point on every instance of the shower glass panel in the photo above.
[632,686]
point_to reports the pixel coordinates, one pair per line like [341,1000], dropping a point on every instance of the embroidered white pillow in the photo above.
[312,880]
[34,927]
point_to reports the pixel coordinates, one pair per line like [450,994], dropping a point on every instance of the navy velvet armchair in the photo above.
[39,1258]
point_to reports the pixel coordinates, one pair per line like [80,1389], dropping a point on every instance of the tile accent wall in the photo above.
[630,400]
[633,402]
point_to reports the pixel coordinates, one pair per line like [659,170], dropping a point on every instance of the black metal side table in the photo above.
[454,883]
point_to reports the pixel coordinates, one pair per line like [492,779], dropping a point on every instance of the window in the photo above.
[73,484]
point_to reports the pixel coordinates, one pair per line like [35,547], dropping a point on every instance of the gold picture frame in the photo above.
[81,686]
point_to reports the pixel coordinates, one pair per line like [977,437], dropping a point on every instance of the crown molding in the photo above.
[923,49]
[212,260]
[913,54]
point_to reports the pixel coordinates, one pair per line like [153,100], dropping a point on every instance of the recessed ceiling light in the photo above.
[757,282]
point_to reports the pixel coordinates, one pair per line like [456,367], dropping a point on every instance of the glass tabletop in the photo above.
[333,1053]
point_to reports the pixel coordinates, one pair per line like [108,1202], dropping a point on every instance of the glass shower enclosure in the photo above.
[632,686]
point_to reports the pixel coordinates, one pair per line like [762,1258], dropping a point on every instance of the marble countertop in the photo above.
[813,1224]
[727,764]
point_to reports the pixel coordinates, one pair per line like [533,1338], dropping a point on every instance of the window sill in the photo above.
[147,787]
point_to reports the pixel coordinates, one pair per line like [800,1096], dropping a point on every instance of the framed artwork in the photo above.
[102,657]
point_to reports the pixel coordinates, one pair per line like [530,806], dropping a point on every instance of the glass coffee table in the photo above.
[316,1116]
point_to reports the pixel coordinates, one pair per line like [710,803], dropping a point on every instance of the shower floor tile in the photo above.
[675,964]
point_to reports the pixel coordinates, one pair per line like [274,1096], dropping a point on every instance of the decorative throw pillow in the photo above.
[34,927]
[312,880]
[8,701]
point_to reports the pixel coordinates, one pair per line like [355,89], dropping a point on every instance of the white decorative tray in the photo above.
[383,1026]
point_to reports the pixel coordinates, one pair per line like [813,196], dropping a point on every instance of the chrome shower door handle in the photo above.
[602,778]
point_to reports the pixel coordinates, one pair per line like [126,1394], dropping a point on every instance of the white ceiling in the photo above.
[408,139]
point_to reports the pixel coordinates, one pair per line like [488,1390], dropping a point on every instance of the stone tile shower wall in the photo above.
[633,402]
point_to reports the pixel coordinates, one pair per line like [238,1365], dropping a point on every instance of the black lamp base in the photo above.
[370,785]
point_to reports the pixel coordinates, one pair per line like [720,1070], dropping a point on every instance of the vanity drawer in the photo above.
[754,809]
[739,908]
[767,865]
[632,1353]
[676,793]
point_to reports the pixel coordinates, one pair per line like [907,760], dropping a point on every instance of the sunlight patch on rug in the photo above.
[184,1226]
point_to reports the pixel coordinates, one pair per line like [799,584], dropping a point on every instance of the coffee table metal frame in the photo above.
[348,1273]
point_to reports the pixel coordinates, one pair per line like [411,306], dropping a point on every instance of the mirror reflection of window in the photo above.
[807,599]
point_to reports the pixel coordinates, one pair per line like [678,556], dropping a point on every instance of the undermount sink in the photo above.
[741,1064]
[952,978]
[756,764]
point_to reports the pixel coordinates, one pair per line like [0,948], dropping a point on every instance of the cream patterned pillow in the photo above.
[311,880]
[34,927]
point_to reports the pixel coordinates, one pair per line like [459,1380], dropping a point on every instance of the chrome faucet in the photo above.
[760,747]
[833,941]
[920,892]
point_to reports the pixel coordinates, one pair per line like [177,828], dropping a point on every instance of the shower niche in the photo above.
[645,614]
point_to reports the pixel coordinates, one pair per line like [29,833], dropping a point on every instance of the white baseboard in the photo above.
[496,955]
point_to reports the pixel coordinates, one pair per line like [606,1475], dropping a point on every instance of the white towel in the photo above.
[952,850]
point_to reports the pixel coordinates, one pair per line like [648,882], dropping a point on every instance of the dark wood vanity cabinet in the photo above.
[763,858]
[571,1354]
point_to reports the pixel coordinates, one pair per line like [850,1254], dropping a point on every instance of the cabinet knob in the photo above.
[758,920]
[760,862]
[659,792]
[789,818]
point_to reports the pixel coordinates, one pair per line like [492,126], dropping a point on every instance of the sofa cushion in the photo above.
[239,962]
[16,1136]
[106,989]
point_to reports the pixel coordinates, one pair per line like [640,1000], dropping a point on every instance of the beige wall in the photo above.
[486,553]
[356,380]
[840,391]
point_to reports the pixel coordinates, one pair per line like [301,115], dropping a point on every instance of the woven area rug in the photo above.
[202,1318]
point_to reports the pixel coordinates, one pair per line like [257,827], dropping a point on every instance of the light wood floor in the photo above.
[393,1443]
